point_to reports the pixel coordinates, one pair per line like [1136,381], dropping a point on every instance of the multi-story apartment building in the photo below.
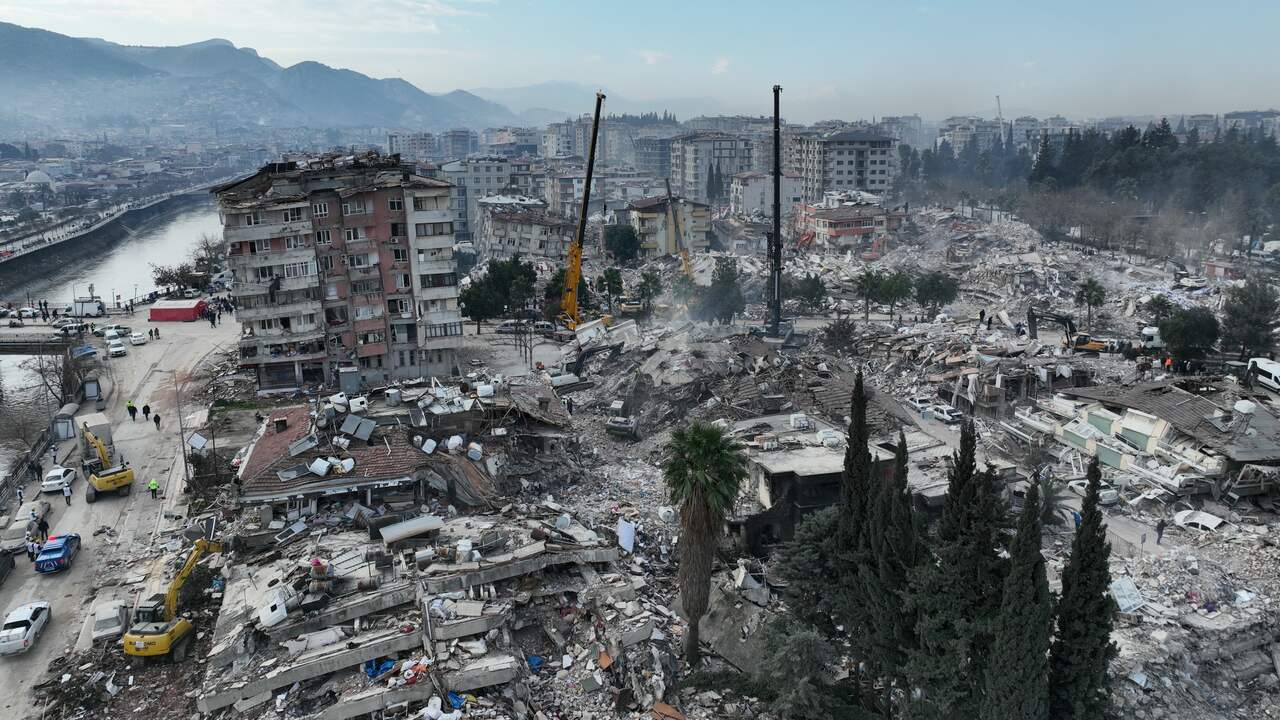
[558,140]
[511,142]
[488,207]
[649,219]
[846,160]
[1204,124]
[693,155]
[847,221]
[1026,131]
[342,264]
[422,147]
[529,234]
[908,129]
[653,156]
[751,193]
[473,179]
[459,144]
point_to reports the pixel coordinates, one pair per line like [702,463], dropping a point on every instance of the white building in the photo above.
[845,160]
[751,194]
[472,179]
[693,155]
[419,147]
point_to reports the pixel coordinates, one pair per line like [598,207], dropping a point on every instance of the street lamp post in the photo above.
[182,433]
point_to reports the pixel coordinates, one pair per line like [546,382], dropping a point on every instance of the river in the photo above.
[122,267]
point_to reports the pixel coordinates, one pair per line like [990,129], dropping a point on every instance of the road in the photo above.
[143,376]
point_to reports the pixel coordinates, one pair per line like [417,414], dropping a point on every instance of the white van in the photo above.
[1266,373]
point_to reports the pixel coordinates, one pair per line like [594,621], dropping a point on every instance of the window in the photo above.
[368,312]
[421,204]
[403,281]
[293,242]
[399,254]
[372,285]
[266,273]
[397,230]
[253,218]
[292,215]
[397,306]
[326,262]
[322,237]
[373,336]
[320,210]
[429,229]
[437,280]
[353,234]
[267,324]
[302,269]
[395,204]
[353,207]
[360,260]
[443,330]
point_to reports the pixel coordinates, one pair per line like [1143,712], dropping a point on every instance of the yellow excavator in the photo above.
[157,629]
[569,316]
[102,475]
[674,225]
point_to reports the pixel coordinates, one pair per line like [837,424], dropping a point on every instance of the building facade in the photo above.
[649,218]
[472,179]
[342,264]
[836,224]
[459,144]
[653,156]
[422,147]
[693,155]
[846,160]
[751,193]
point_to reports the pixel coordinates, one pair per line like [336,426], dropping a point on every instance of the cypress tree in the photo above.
[1082,649]
[893,539]
[808,564]
[850,552]
[1017,674]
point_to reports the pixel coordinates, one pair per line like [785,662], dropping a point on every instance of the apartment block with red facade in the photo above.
[342,263]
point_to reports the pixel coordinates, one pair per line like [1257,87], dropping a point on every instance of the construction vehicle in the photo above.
[673,225]
[569,314]
[1072,339]
[102,475]
[157,629]
[621,421]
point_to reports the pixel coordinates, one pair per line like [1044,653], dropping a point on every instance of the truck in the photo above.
[621,422]
[101,475]
[91,306]
[158,631]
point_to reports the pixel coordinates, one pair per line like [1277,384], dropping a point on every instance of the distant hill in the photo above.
[573,99]
[65,81]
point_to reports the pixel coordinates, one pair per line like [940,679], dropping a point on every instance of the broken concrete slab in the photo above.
[484,672]
[443,578]
[386,597]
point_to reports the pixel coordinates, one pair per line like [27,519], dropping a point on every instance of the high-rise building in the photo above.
[472,179]
[908,129]
[846,160]
[653,156]
[695,154]
[421,147]
[458,144]
[342,263]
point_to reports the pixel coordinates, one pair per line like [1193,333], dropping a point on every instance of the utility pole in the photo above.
[775,239]
[182,433]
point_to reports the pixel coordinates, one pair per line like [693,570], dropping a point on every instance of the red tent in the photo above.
[177,310]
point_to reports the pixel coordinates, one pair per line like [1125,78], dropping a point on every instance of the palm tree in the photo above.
[703,470]
[1159,307]
[868,286]
[1091,294]
[1053,499]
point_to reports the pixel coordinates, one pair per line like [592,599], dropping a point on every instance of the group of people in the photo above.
[35,542]
[146,413]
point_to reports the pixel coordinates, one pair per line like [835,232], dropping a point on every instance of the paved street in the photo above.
[143,376]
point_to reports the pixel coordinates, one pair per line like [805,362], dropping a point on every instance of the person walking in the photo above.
[66,492]
[18,492]
[32,547]
[146,412]
[156,417]
[154,487]
[43,527]
[1160,526]
[133,410]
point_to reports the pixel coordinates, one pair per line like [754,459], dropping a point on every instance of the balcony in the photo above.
[444,292]
[266,230]
[297,333]
[267,310]
[260,353]
[428,216]
[371,349]
[434,267]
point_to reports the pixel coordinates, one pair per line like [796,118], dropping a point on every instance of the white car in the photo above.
[110,619]
[23,626]
[1107,495]
[117,349]
[137,339]
[946,414]
[28,312]
[57,478]
[920,403]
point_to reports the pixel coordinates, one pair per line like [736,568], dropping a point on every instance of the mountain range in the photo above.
[53,80]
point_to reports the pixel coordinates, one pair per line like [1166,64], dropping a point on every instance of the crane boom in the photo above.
[673,225]
[569,314]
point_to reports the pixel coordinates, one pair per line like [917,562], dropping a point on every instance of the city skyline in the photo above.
[1098,61]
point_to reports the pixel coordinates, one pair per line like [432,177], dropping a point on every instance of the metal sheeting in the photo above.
[411,527]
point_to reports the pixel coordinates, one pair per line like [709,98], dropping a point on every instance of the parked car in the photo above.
[137,339]
[110,619]
[1107,495]
[190,293]
[28,312]
[509,327]
[4,312]
[920,403]
[118,329]
[14,539]
[544,327]
[23,626]
[57,553]
[946,414]
[57,478]
[117,349]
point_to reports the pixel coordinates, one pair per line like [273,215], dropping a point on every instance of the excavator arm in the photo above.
[569,315]
[1068,325]
[673,225]
[198,551]
[98,446]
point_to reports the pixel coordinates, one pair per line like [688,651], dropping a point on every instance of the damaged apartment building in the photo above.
[344,272]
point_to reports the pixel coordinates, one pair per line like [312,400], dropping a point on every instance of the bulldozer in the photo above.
[157,630]
[102,475]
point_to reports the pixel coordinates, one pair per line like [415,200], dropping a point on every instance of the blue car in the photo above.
[57,553]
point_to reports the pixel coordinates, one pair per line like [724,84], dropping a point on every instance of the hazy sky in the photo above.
[834,59]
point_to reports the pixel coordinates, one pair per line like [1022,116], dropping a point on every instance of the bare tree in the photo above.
[206,253]
[59,375]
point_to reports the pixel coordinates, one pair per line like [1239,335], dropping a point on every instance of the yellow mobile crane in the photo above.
[102,475]
[569,315]
[157,629]
[674,226]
